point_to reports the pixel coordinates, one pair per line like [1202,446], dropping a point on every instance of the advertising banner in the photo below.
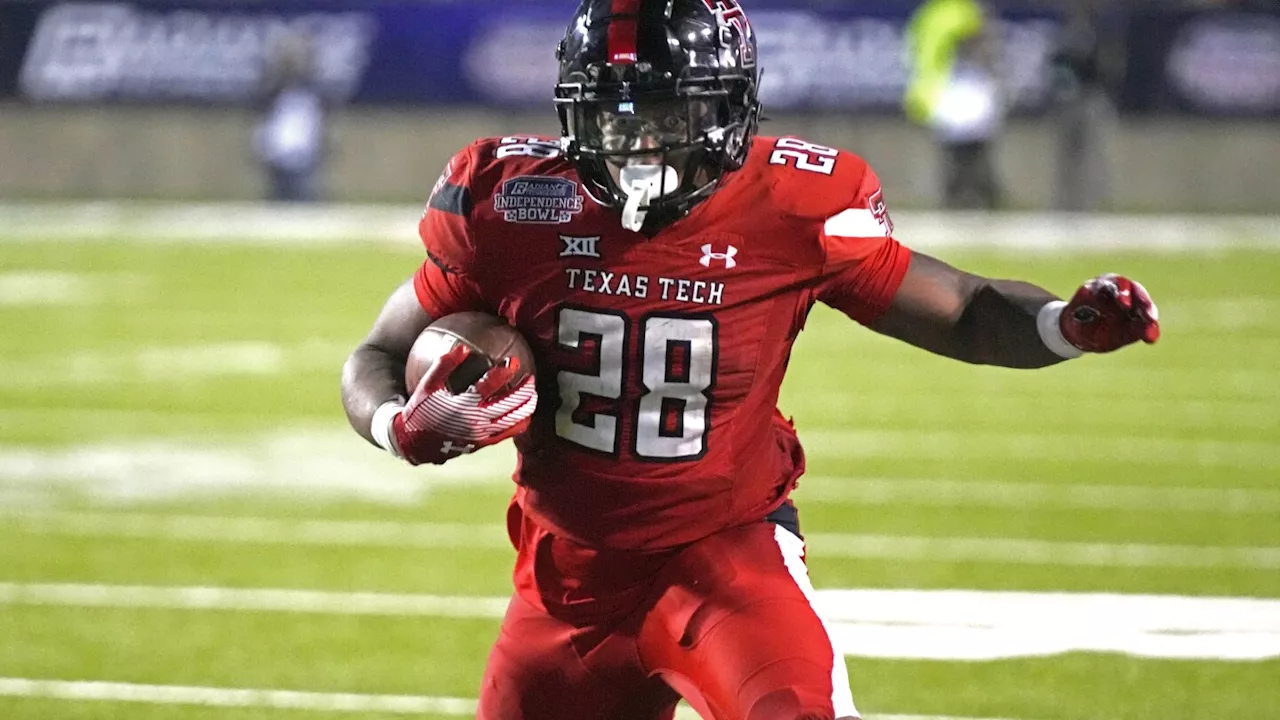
[836,57]
[824,57]
[1204,63]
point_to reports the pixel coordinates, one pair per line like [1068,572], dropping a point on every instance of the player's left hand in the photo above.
[1109,312]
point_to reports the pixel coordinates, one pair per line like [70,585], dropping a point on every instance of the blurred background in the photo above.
[204,203]
[1171,105]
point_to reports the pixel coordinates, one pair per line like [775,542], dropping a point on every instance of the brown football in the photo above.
[491,339]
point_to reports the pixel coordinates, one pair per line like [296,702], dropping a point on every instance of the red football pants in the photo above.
[729,627]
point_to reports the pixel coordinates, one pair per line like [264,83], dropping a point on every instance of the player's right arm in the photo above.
[424,424]
[373,376]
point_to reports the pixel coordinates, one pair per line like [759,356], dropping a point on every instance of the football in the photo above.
[491,339]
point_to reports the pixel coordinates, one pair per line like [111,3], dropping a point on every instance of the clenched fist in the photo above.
[1105,314]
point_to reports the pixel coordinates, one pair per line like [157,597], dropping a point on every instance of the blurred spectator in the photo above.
[291,137]
[956,89]
[1086,65]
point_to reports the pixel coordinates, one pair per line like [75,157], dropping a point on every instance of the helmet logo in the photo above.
[729,12]
[623,30]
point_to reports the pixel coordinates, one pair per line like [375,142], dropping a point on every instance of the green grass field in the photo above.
[169,418]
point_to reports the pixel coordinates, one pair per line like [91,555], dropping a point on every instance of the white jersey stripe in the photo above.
[854,222]
[792,549]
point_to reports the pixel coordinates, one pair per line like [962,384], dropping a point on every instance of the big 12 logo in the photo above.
[729,11]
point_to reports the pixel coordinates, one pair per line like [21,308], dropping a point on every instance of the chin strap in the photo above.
[642,183]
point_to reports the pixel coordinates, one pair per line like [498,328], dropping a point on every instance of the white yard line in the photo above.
[855,443]
[285,699]
[252,600]
[914,624]
[313,464]
[45,288]
[1072,233]
[397,224]
[332,461]
[940,406]
[51,286]
[883,716]
[171,364]
[235,697]
[990,494]
[238,223]
[1231,383]
[196,528]
[1002,551]
[264,531]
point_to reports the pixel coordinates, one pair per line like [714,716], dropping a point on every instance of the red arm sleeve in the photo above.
[446,281]
[864,265]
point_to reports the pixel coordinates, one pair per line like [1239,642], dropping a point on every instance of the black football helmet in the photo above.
[657,102]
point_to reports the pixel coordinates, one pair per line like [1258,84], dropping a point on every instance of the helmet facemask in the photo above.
[656,153]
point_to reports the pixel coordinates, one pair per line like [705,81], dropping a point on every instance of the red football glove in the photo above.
[437,425]
[1109,312]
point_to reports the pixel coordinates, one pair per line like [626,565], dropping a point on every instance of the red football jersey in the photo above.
[659,359]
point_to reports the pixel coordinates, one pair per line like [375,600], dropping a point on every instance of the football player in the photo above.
[660,258]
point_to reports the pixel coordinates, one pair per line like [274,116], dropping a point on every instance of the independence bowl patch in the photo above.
[538,200]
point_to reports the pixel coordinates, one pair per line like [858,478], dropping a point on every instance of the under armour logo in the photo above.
[450,449]
[575,246]
[727,257]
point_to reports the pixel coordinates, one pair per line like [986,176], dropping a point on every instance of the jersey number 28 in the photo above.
[804,155]
[676,357]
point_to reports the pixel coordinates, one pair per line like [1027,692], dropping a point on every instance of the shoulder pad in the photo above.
[479,167]
[497,157]
[452,191]
[808,180]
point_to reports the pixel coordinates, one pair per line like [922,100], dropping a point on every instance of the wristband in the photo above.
[380,428]
[1049,323]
